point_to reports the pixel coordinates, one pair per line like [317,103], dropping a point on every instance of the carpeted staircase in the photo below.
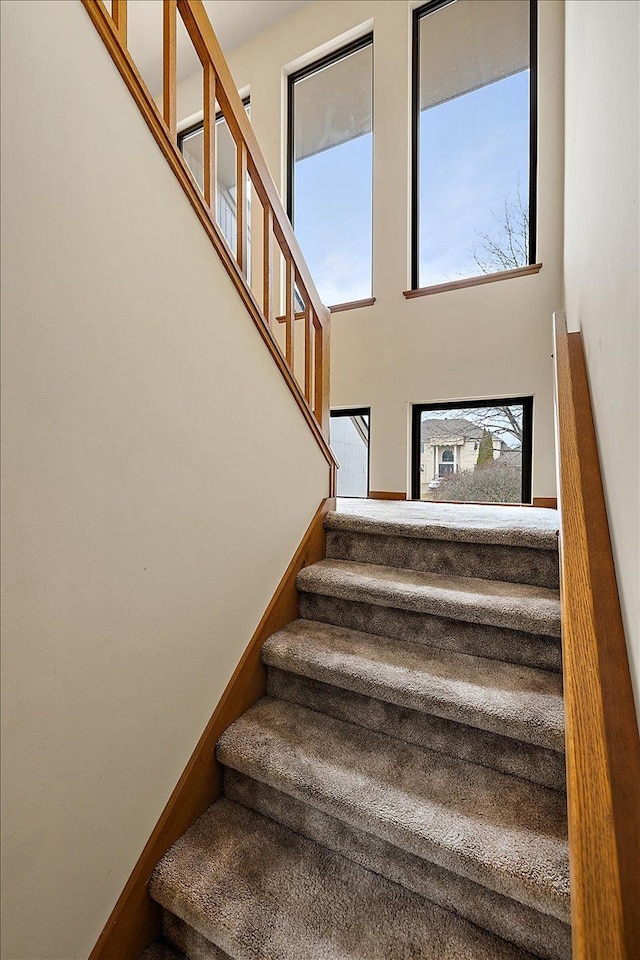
[399,794]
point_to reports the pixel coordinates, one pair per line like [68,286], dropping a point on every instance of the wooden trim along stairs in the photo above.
[602,744]
[135,921]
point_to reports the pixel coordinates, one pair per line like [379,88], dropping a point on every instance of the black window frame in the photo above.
[199,125]
[358,412]
[527,437]
[419,14]
[346,50]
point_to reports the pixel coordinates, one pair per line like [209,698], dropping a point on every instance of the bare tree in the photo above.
[508,246]
[495,419]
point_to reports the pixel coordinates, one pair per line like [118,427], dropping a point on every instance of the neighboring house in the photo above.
[450,446]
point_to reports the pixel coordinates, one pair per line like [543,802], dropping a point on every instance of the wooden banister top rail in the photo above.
[602,744]
[292,284]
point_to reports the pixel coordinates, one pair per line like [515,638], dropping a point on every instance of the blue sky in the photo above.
[474,150]
[332,218]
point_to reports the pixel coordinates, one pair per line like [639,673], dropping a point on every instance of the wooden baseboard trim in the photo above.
[549,503]
[386,495]
[135,921]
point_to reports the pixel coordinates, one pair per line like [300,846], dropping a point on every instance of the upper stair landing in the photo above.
[487,541]
[536,528]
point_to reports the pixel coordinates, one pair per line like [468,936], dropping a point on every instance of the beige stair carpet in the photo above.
[399,794]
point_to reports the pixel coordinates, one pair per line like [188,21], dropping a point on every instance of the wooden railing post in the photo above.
[321,375]
[267,263]
[241,205]
[289,310]
[169,81]
[209,136]
[308,353]
[119,14]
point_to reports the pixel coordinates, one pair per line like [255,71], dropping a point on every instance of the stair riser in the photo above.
[514,757]
[192,943]
[540,934]
[475,639]
[448,557]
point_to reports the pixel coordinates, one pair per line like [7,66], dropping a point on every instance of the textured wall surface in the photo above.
[602,262]
[158,478]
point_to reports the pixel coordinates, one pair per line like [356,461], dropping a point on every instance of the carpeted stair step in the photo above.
[514,701]
[469,540]
[507,755]
[490,602]
[498,831]
[512,622]
[161,950]
[529,929]
[425,696]
[245,885]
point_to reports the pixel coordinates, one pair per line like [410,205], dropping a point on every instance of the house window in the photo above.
[476,452]
[447,463]
[474,139]
[330,170]
[349,438]
[191,145]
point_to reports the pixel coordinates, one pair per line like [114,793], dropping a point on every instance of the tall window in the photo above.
[473,138]
[330,175]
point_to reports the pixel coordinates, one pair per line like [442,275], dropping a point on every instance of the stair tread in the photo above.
[516,701]
[468,522]
[261,892]
[161,950]
[499,831]
[495,603]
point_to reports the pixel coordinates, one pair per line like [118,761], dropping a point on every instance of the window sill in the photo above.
[473,281]
[338,308]
[352,305]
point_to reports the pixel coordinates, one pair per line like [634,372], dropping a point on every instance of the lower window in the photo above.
[349,439]
[473,452]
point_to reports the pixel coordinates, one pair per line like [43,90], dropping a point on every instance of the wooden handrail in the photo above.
[602,744]
[220,93]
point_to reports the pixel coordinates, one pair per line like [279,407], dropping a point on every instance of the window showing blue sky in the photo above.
[332,216]
[474,156]
[332,104]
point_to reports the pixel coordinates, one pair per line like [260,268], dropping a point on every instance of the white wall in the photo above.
[484,342]
[158,477]
[602,261]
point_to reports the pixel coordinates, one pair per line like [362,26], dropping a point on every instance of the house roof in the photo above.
[449,430]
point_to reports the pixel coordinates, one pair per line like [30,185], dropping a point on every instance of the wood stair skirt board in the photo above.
[603,747]
[136,919]
[386,495]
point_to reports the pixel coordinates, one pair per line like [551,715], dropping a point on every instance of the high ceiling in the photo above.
[234,21]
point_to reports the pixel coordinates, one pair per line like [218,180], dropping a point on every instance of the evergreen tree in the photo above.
[485,450]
